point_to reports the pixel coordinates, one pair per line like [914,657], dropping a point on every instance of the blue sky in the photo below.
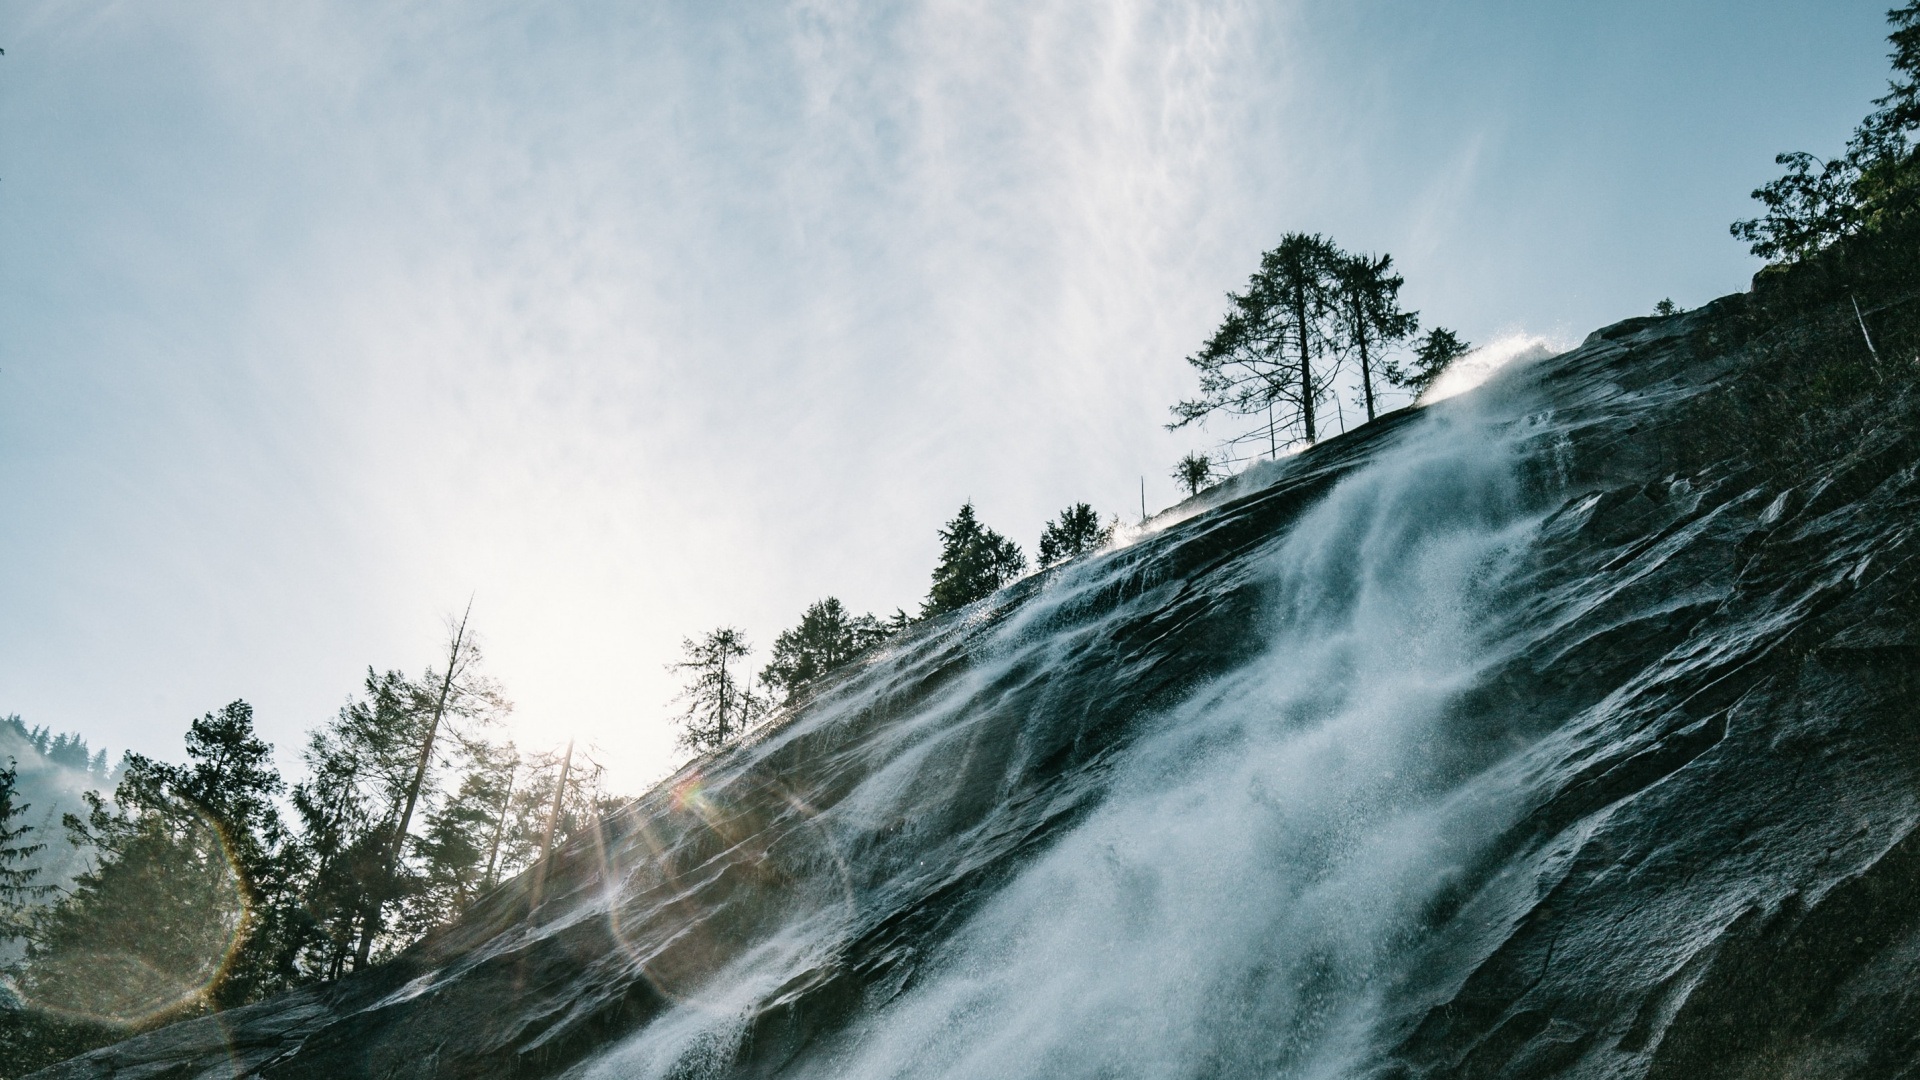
[631,320]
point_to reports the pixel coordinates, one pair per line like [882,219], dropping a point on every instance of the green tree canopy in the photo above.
[974,561]
[828,636]
[1194,472]
[1260,362]
[1872,184]
[1367,295]
[1431,356]
[718,696]
[1075,532]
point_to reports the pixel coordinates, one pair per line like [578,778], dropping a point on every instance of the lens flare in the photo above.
[722,874]
[150,934]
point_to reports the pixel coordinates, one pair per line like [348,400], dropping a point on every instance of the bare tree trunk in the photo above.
[398,844]
[559,792]
[1306,365]
[1366,366]
[725,695]
[500,825]
[553,820]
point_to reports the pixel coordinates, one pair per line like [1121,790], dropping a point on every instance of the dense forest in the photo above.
[163,889]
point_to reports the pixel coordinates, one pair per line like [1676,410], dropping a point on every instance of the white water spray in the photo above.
[1251,882]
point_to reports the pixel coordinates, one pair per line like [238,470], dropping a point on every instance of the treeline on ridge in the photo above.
[201,892]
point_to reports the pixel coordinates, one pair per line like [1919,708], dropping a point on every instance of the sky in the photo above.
[627,321]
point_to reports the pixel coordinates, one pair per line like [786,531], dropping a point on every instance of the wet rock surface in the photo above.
[1659,821]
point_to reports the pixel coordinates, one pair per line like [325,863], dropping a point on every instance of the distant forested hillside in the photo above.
[53,770]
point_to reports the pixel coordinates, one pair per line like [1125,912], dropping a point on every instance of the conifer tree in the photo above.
[1874,183]
[17,886]
[358,769]
[1368,297]
[827,637]
[1075,532]
[457,693]
[1194,472]
[1261,360]
[717,692]
[974,561]
[169,920]
[458,852]
[1431,356]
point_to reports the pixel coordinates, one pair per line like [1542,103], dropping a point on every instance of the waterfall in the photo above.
[1257,860]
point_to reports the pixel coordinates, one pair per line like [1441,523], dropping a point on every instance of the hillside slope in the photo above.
[1535,733]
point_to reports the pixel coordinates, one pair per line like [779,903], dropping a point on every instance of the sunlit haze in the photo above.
[629,321]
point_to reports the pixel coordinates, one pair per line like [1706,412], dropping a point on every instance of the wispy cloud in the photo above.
[632,321]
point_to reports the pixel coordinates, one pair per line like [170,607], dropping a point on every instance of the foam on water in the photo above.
[1253,876]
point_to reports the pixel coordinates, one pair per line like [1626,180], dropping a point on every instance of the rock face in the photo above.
[1500,738]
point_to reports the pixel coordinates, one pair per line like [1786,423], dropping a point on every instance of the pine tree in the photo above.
[974,561]
[17,888]
[717,693]
[185,906]
[827,637]
[459,692]
[1260,362]
[232,781]
[146,935]
[1430,357]
[1075,532]
[1194,472]
[1372,321]
[358,769]
[459,852]
[1874,183]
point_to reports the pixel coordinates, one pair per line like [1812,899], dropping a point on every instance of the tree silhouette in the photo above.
[974,561]
[719,700]
[1194,472]
[1430,357]
[1371,320]
[1075,532]
[827,637]
[176,915]
[1873,183]
[1260,361]
[16,880]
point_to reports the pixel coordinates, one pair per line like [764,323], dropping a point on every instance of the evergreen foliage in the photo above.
[1309,309]
[197,896]
[1194,472]
[1075,532]
[827,637]
[160,928]
[720,703]
[1260,361]
[357,773]
[1372,321]
[974,561]
[64,750]
[1830,332]
[1431,356]
[459,851]
[17,886]
[1873,184]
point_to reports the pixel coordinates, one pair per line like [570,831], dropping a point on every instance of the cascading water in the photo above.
[1260,853]
[1514,737]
